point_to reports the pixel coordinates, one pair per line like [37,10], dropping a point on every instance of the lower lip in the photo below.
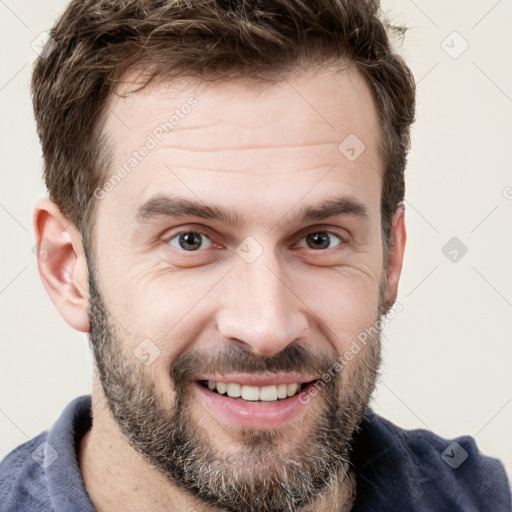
[247,414]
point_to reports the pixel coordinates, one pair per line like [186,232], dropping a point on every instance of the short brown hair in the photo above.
[99,40]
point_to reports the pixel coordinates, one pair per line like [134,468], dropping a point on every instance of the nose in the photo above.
[260,309]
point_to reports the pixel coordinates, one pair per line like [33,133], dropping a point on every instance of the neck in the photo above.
[118,479]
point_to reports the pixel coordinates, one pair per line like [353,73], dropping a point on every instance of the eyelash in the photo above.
[343,239]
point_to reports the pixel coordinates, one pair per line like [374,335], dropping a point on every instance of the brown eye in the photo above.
[189,240]
[321,240]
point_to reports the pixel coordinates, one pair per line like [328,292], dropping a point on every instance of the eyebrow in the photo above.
[173,206]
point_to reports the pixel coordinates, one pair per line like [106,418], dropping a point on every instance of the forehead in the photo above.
[225,141]
[311,103]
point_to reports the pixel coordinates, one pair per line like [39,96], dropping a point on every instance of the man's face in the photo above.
[188,308]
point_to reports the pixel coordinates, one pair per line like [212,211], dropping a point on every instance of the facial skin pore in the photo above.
[273,295]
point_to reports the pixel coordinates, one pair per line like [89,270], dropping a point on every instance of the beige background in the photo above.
[447,354]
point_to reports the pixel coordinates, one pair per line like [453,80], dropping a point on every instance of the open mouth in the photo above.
[256,401]
[270,393]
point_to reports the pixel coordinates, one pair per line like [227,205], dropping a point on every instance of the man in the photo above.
[225,221]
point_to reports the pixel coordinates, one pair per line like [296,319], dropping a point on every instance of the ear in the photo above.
[61,263]
[397,238]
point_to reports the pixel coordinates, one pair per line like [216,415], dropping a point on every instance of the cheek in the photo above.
[168,308]
[346,304]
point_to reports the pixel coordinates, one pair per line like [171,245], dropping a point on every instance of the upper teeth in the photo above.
[253,393]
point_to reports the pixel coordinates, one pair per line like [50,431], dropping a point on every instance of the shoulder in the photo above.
[432,472]
[43,474]
[22,477]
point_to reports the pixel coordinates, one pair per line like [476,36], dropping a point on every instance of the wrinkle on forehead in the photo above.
[313,116]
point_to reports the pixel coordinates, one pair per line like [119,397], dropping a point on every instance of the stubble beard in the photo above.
[259,475]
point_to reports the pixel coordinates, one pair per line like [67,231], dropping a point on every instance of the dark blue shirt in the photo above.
[397,470]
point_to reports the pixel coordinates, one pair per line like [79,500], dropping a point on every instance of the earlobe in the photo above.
[397,239]
[61,263]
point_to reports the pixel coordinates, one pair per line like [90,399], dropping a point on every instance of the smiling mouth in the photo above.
[270,393]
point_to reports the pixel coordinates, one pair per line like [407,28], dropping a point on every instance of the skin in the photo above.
[265,151]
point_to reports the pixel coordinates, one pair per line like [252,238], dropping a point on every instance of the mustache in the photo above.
[235,359]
